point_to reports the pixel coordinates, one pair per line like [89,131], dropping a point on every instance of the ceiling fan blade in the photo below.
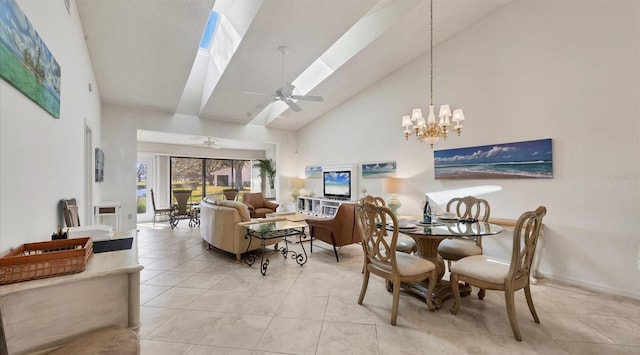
[257,93]
[266,103]
[293,105]
[307,98]
[287,89]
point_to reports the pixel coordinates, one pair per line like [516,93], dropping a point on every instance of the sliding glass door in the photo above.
[209,177]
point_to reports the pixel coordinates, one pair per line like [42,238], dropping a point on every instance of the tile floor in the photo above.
[198,301]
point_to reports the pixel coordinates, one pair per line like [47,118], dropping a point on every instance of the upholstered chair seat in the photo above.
[455,249]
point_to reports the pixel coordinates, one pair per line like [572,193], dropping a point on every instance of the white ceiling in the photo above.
[143,51]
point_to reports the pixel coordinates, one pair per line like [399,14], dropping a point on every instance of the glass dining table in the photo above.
[428,236]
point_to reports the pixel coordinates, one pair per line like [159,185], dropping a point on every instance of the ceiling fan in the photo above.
[285,93]
[211,143]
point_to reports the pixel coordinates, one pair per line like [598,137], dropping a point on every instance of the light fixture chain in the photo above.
[431,51]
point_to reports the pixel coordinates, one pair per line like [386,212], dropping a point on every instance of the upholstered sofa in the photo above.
[222,225]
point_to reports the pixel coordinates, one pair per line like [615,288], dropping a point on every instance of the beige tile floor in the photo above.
[199,301]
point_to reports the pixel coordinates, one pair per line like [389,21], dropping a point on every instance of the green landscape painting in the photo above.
[25,61]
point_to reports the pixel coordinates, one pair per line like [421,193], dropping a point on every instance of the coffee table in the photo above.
[271,230]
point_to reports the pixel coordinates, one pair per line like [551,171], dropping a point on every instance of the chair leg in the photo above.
[335,251]
[511,311]
[527,294]
[432,287]
[456,293]
[396,300]
[481,293]
[365,284]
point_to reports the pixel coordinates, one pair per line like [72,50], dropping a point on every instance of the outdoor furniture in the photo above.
[157,212]
[181,210]
[70,212]
[230,194]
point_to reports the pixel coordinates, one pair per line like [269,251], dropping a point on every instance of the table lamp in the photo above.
[297,184]
[393,186]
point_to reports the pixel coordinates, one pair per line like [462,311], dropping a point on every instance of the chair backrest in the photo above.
[70,212]
[230,194]
[372,222]
[374,200]
[182,197]
[346,221]
[255,199]
[470,207]
[153,200]
[525,239]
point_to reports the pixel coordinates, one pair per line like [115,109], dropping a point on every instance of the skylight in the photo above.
[207,36]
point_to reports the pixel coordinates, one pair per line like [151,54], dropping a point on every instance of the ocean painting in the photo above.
[27,63]
[313,171]
[378,170]
[519,160]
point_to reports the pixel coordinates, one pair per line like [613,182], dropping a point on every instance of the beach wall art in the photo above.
[313,171]
[27,63]
[378,170]
[519,160]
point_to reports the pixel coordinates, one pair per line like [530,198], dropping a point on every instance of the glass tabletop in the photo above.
[274,226]
[459,229]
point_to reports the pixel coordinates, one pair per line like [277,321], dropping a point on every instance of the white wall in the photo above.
[120,125]
[41,158]
[566,70]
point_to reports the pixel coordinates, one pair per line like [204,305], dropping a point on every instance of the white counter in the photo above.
[42,313]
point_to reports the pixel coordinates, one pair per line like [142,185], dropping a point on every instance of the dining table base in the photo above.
[442,292]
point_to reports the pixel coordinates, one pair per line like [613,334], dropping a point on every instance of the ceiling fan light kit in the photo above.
[285,92]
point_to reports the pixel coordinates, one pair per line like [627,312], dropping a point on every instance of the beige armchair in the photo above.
[259,207]
[222,225]
[381,258]
[492,274]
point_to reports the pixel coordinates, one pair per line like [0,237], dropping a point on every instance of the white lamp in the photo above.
[393,186]
[297,184]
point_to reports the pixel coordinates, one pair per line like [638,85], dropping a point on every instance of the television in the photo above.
[337,184]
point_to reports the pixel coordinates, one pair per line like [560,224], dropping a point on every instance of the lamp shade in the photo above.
[393,185]
[457,115]
[406,121]
[297,183]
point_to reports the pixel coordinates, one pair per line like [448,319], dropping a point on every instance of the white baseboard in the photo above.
[591,286]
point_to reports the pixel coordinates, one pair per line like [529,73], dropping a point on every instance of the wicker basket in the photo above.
[45,259]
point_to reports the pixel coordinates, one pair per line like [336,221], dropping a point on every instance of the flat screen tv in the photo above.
[337,184]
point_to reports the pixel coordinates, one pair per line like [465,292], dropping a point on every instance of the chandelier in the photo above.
[430,131]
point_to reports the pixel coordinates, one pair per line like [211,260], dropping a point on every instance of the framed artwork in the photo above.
[378,170]
[313,171]
[99,165]
[519,160]
[27,63]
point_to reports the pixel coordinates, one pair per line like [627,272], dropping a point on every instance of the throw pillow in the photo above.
[243,210]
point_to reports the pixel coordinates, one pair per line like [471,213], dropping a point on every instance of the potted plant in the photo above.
[267,168]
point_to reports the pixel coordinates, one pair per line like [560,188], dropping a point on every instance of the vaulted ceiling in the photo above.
[143,51]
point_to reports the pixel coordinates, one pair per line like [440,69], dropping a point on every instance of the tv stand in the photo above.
[319,206]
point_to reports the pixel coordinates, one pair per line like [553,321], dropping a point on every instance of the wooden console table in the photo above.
[41,314]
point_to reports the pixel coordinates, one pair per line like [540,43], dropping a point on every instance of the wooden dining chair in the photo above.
[381,258]
[465,208]
[405,244]
[492,274]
